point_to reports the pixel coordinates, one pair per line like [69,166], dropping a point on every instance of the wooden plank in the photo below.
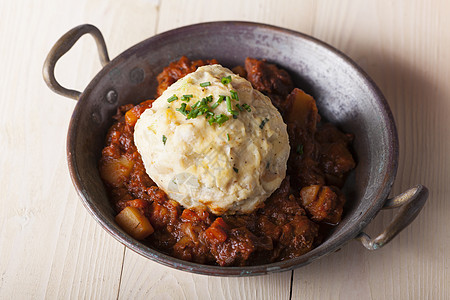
[286,13]
[145,279]
[49,246]
[401,45]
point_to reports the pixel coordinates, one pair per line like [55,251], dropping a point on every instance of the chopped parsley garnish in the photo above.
[239,107]
[164,139]
[263,122]
[226,80]
[299,149]
[247,107]
[228,137]
[234,95]
[235,169]
[205,84]
[173,98]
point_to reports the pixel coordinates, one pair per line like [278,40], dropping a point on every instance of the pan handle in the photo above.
[64,44]
[411,203]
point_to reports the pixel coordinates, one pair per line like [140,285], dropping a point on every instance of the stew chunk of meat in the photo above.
[298,237]
[324,203]
[335,159]
[269,79]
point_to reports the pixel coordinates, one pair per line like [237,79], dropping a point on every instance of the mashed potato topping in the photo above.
[211,140]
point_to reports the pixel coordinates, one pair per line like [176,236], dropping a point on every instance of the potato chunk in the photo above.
[302,110]
[116,170]
[134,223]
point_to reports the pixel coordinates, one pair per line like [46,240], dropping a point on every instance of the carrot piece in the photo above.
[131,117]
[133,114]
[216,233]
[134,223]
[219,222]
[190,216]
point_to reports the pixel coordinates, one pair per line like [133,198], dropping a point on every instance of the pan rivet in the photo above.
[111,96]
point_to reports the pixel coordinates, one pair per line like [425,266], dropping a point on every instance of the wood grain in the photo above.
[144,279]
[400,46]
[51,248]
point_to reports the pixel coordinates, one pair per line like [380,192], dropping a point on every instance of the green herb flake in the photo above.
[219,119]
[164,139]
[263,122]
[182,109]
[230,110]
[228,137]
[218,102]
[239,107]
[226,80]
[235,169]
[195,105]
[173,98]
[205,84]
[201,108]
[299,149]
[193,114]
[247,107]
[186,98]
[234,95]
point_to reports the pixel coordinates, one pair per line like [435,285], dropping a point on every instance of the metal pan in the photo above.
[344,93]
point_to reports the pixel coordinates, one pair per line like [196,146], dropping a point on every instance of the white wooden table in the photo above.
[51,248]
